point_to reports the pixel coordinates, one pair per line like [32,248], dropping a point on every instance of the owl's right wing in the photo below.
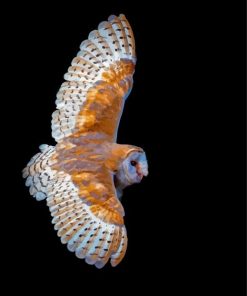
[89,220]
[85,209]
[97,83]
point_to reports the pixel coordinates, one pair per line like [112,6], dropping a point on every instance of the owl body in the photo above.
[83,176]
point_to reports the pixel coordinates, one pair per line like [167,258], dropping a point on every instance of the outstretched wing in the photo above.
[88,217]
[97,83]
[85,210]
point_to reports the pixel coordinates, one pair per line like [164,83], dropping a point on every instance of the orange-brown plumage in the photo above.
[105,100]
[95,186]
[83,176]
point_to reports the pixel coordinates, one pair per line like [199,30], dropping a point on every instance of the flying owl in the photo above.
[83,176]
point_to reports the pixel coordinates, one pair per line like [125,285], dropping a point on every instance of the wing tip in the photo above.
[112,17]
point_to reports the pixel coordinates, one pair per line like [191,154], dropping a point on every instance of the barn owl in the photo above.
[83,176]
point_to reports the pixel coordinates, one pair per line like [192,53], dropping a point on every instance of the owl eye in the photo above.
[133,163]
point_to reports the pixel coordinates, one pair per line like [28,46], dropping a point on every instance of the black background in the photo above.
[185,221]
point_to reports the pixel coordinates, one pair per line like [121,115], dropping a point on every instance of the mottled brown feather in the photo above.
[104,101]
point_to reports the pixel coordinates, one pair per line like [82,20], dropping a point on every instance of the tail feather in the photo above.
[39,173]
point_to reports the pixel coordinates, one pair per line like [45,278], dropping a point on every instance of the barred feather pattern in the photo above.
[76,176]
[38,172]
[111,43]
[88,236]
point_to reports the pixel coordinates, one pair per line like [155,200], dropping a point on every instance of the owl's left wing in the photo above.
[97,83]
[88,215]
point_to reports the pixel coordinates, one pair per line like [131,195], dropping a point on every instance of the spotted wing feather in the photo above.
[108,57]
[76,184]
[86,212]
[91,238]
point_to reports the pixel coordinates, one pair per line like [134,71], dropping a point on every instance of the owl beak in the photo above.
[141,171]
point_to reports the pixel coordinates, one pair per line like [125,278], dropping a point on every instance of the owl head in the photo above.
[132,169]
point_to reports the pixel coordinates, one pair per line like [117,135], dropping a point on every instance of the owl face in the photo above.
[133,168]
